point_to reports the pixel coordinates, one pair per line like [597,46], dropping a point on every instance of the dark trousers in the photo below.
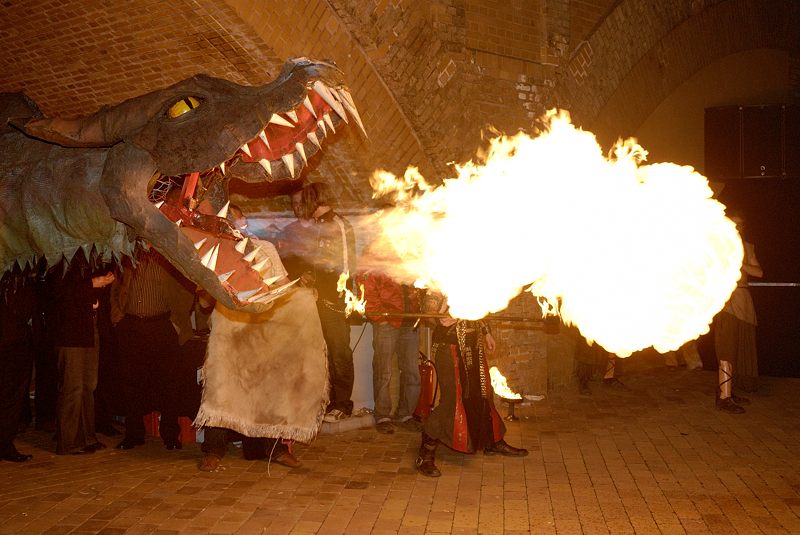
[16,360]
[77,371]
[148,362]
[336,332]
[215,442]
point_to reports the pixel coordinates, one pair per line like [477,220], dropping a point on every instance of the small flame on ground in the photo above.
[500,386]
[633,255]
[351,301]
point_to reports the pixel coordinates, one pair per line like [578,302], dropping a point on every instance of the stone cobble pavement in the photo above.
[656,458]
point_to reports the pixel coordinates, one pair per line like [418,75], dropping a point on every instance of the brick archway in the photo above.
[644,50]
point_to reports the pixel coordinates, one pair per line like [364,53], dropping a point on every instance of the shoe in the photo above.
[288,460]
[130,443]
[97,446]
[13,456]
[728,405]
[385,427]
[209,463]
[426,467]
[173,444]
[502,448]
[334,415]
[613,382]
[740,400]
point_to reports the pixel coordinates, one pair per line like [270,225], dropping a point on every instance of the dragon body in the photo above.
[95,184]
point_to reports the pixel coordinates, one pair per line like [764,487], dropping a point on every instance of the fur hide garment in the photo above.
[266,375]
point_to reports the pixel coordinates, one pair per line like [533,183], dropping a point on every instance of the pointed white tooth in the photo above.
[312,137]
[351,109]
[222,168]
[252,254]
[288,161]
[226,276]
[263,137]
[266,165]
[277,119]
[272,280]
[223,212]
[329,122]
[246,150]
[209,259]
[301,150]
[343,92]
[178,222]
[259,266]
[342,104]
[291,114]
[243,296]
[241,246]
[309,106]
[159,204]
[330,99]
[199,244]
[321,125]
[212,265]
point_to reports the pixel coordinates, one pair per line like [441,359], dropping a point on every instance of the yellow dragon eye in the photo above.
[182,106]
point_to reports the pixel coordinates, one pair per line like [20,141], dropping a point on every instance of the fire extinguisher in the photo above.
[428,387]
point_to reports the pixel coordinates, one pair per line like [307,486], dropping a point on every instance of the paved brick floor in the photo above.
[656,459]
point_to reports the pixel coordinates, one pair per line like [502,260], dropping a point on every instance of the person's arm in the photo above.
[750,264]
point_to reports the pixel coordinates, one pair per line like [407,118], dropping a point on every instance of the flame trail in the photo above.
[500,385]
[352,302]
[633,255]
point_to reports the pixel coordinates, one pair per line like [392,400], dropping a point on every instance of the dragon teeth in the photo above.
[159,204]
[321,126]
[226,276]
[301,150]
[272,280]
[199,244]
[329,122]
[280,121]
[288,161]
[263,137]
[241,246]
[252,254]
[209,259]
[312,137]
[223,212]
[222,168]
[243,296]
[292,115]
[266,165]
[246,150]
[330,99]
[258,267]
[351,109]
[309,106]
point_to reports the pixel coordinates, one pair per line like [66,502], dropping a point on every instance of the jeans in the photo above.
[388,340]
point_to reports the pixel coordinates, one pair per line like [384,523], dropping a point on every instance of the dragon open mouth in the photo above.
[279,150]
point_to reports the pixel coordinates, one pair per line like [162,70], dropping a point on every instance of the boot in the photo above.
[424,462]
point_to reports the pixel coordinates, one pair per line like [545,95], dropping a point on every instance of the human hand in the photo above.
[490,343]
[101,281]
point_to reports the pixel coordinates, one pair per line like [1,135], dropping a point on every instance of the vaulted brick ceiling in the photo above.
[429,78]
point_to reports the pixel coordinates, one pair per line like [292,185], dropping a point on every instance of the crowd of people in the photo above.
[90,330]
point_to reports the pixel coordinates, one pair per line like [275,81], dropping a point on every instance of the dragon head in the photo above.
[196,135]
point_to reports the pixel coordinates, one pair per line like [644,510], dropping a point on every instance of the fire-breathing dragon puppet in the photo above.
[96,183]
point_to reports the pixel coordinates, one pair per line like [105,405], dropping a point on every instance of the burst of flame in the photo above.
[500,386]
[634,255]
[352,302]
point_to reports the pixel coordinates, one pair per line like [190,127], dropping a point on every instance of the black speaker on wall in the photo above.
[752,142]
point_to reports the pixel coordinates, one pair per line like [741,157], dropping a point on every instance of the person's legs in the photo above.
[384,337]
[69,435]
[214,447]
[15,362]
[165,354]
[725,345]
[91,361]
[136,378]
[336,332]
[408,361]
